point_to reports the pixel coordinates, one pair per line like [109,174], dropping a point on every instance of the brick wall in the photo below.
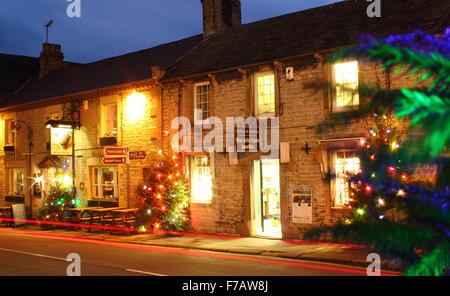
[136,131]
[303,108]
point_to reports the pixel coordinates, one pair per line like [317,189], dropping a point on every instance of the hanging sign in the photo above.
[302,206]
[61,141]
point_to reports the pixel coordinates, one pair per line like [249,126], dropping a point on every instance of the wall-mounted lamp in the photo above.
[62,124]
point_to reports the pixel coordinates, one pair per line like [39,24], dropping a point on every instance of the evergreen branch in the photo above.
[433,264]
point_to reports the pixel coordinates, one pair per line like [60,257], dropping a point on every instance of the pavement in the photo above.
[291,249]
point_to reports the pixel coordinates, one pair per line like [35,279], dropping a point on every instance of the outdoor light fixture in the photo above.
[62,124]
[135,106]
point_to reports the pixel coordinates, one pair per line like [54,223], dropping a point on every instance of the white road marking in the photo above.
[145,272]
[65,260]
[34,254]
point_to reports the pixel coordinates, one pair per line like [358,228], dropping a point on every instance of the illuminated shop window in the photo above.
[346,164]
[345,78]
[201,95]
[265,94]
[15,182]
[104,183]
[201,179]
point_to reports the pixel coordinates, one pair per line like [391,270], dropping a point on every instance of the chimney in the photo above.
[220,14]
[51,59]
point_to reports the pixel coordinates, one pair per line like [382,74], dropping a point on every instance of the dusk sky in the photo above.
[114,27]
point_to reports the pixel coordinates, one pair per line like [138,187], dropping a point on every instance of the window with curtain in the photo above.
[346,163]
[110,120]
[265,94]
[104,183]
[10,132]
[201,179]
[16,181]
[345,83]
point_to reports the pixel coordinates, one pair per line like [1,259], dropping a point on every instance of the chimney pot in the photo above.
[220,14]
[51,59]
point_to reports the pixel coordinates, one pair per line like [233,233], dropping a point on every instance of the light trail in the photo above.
[316,266]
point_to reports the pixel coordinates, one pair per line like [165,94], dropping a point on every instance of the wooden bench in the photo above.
[125,217]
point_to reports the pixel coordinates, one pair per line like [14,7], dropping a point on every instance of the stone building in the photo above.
[263,70]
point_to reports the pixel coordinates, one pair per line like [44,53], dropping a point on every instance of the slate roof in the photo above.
[309,31]
[104,73]
[16,70]
[298,33]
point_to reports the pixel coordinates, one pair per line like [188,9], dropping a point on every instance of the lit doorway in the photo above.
[266,192]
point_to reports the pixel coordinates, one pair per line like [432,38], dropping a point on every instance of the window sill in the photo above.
[201,202]
[340,208]
[345,109]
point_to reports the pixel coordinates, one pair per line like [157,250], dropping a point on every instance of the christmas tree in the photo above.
[393,211]
[60,196]
[164,198]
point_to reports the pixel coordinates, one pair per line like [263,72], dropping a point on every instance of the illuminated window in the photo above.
[104,183]
[10,132]
[345,79]
[110,120]
[202,100]
[201,179]
[265,93]
[15,182]
[346,164]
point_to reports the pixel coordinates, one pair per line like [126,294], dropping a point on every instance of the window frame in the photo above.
[208,111]
[12,183]
[10,132]
[106,120]
[192,175]
[95,182]
[334,182]
[334,85]
[256,96]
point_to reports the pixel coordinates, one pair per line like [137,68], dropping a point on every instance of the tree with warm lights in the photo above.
[392,211]
[58,198]
[164,197]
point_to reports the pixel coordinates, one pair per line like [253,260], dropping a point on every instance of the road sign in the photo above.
[115,151]
[114,160]
[138,155]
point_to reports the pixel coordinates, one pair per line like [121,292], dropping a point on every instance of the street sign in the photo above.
[114,160]
[138,155]
[115,151]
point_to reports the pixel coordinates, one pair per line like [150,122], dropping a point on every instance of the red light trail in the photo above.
[317,266]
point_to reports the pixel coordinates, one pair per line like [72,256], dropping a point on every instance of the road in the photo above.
[28,254]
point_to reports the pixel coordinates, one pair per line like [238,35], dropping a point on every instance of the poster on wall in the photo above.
[302,206]
[61,141]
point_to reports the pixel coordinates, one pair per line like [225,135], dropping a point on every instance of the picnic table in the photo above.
[125,216]
[103,216]
[78,215]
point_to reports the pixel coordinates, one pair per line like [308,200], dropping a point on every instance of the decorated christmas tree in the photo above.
[394,211]
[59,197]
[164,198]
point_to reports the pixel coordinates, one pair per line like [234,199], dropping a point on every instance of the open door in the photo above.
[266,186]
